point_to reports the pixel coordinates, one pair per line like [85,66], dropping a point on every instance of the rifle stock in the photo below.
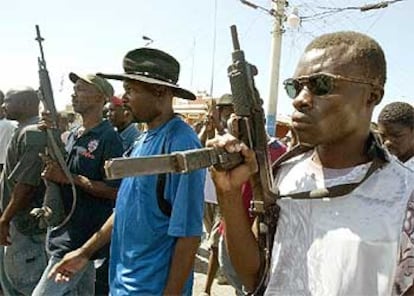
[251,130]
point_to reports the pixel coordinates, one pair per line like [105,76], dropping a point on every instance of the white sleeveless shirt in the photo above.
[347,245]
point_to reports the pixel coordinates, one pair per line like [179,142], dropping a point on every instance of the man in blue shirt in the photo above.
[152,251]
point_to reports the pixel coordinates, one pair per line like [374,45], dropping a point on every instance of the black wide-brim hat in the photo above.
[152,66]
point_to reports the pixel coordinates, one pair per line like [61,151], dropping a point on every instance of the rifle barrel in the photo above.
[234,37]
[40,39]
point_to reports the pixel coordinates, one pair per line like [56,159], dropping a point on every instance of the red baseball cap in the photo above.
[116,101]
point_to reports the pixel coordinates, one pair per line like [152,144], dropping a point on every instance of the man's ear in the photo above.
[376,95]
[161,90]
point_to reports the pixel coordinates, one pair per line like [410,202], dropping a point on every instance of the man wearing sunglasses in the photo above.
[343,201]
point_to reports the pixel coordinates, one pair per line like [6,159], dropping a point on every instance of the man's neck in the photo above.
[25,119]
[124,126]
[344,154]
[160,120]
[90,121]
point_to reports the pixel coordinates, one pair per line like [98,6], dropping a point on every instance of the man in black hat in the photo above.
[155,228]
[88,147]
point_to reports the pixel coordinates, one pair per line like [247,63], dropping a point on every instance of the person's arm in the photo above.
[207,131]
[99,189]
[241,242]
[96,188]
[20,199]
[181,264]
[74,261]
[203,135]
[238,232]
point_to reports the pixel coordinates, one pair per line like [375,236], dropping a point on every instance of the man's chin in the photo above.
[76,109]
[138,120]
[307,140]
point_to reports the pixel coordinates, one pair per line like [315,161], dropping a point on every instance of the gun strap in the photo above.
[295,151]
[335,191]
[374,150]
[163,204]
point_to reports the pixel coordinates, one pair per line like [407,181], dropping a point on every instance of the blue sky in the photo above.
[92,36]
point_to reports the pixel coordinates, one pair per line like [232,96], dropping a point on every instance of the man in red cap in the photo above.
[123,121]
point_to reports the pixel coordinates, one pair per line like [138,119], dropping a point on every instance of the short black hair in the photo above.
[397,112]
[26,94]
[368,53]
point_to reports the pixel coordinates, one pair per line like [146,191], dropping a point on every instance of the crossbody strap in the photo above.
[374,150]
[164,206]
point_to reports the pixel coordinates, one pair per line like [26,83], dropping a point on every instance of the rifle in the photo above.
[251,126]
[52,211]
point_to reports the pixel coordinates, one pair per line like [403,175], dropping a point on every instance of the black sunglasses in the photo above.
[319,84]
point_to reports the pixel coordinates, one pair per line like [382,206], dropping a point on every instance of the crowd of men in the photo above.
[345,224]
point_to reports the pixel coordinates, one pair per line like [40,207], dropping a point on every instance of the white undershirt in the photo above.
[341,246]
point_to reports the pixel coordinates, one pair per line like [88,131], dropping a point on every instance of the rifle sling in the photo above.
[374,150]
[335,191]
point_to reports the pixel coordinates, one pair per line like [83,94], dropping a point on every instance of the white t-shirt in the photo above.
[210,195]
[6,131]
[347,245]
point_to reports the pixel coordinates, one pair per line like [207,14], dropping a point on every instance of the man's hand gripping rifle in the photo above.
[251,129]
[52,212]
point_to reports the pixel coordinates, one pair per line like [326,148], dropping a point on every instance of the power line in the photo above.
[375,21]
[333,10]
[328,10]
[379,5]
